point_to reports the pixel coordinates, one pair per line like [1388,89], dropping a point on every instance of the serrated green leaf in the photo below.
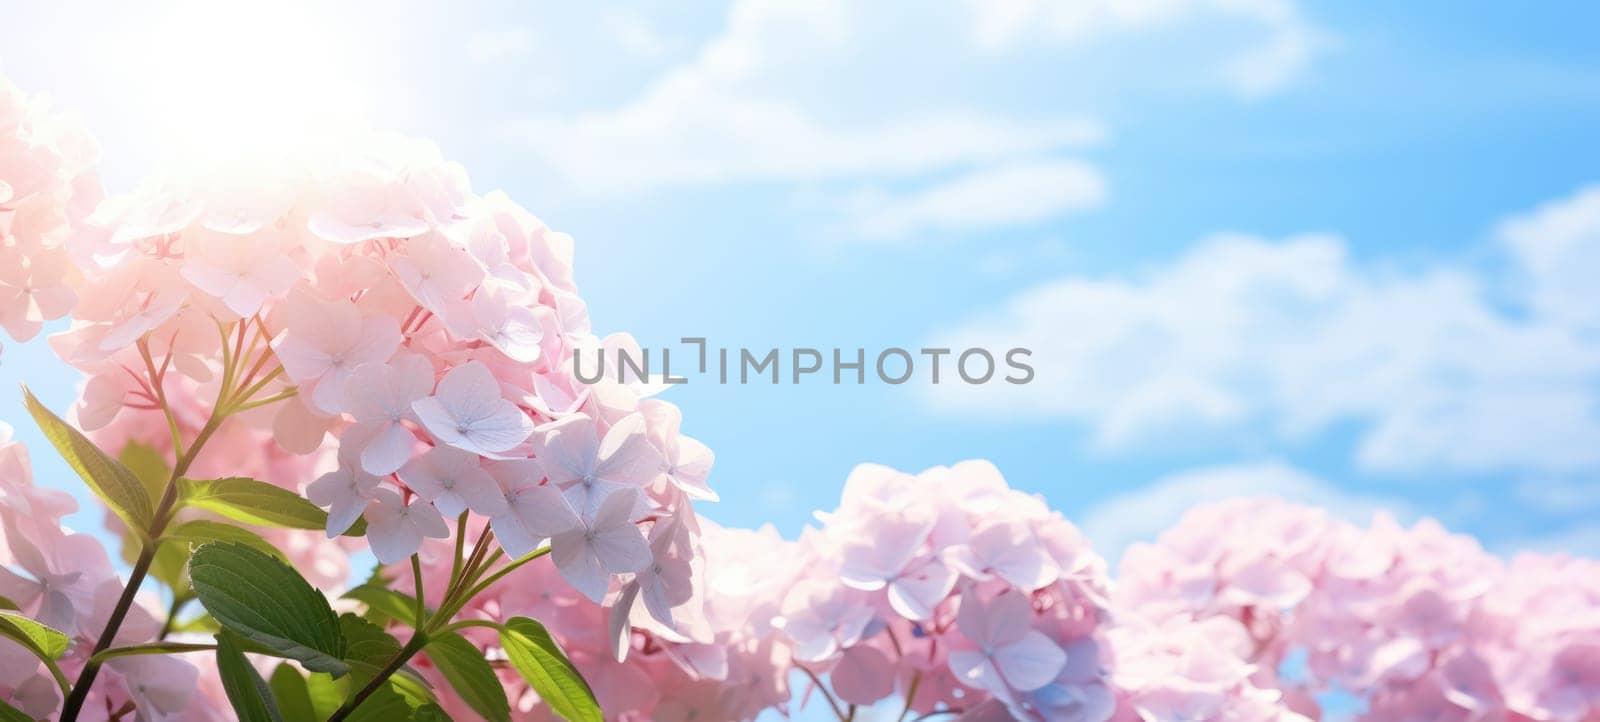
[367,647]
[469,673]
[253,502]
[369,650]
[12,714]
[171,564]
[385,604]
[44,641]
[192,534]
[290,692]
[267,602]
[110,480]
[147,465]
[385,705]
[540,661]
[248,693]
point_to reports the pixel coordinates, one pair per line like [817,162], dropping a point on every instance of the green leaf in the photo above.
[113,482]
[266,601]
[45,642]
[326,694]
[163,648]
[150,468]
[289,690]
[385,604]
[200,624]
[12,714]
[367,647]
[465,667]
[369,650]
[200,531]
[6,603]
[430,713]
[253,502]
[147,465]
[172,557]
[247,691]
[385,705]
[540,661]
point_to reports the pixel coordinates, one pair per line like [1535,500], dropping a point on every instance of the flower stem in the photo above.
[228,401]
[419,639]
[837,710]
[911,696]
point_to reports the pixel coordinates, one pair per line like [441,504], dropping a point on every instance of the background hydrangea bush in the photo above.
[287,365]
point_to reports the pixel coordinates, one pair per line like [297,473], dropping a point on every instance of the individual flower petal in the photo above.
[468,412]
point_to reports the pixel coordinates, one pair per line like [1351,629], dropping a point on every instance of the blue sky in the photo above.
[1338,252]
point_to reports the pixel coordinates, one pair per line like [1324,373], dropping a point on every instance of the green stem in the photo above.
[466,623]
[141,568]
[178,602]
[478,588]
[416,578]
[419,639]
[166,509]
[461,544]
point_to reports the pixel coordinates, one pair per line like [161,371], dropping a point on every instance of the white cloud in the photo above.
[1558,245]
[693,135]
[1291,336]
[1281,49]
[634,32]
[1141,514]
[816,90]
[1005,195]
[500,45]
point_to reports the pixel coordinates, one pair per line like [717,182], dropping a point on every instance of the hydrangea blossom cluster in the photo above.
[431,331]
[47,187]
[1420,623]
[946,589]
[65,580]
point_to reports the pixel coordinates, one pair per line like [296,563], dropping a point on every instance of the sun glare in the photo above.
[228,79]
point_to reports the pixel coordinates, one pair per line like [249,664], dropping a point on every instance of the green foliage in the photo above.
[384,605]
[147,465]
[540,661]
[118,487]
[45,642]
[12,714]
[469,673]
[172,557]
[253,502]
[369,650]
[249,694]
[326,693]
[267,602]
[290,691]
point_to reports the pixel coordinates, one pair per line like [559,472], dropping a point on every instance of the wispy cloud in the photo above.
[500,44]
[1280,48]
[1005,195]
[747,107]
[1293,337]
